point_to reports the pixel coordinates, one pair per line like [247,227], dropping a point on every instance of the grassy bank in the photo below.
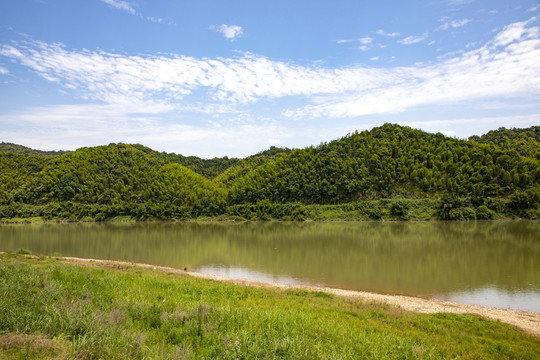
[50,309]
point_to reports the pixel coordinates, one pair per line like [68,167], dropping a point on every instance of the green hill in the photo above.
[122,179]
[19,149]
[385,162]
[380,173]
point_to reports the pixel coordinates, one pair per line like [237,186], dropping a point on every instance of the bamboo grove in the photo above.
[383,173]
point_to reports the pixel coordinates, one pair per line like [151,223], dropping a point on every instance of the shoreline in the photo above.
[17,221]
[525,320]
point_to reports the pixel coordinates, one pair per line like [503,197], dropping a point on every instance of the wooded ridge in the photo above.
[390,171]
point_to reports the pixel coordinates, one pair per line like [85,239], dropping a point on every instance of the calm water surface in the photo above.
[486,263]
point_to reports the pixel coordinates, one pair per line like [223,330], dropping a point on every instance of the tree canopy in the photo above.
[386,162]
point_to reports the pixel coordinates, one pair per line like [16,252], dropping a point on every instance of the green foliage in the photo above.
[105,182]
[385,162]
[400,209]
[451,208]
[500,170]
[524,200]
[265,210]
[484,213]
[525,141]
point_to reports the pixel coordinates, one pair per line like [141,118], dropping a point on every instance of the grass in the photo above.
[50,309]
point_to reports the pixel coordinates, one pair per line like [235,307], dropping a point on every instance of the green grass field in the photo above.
[53,310]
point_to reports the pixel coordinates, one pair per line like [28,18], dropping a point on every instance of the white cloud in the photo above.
[516,32]
[69,127]
[3,71]
[364,40]
[491,71]
[154,19]
[447,23]
[448,132]
[534,8]
[114,78]
[383,33]
[230,32]
[413,39]
[121,5]
[506,67]
[127,7]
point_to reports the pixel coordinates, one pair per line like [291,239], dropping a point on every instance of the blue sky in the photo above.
[214,77]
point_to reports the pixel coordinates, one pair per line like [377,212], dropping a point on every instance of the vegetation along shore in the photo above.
[88,309]
[390,172]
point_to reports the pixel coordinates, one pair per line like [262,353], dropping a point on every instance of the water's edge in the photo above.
[525,320]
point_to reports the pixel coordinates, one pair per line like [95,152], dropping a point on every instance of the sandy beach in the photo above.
[528,321]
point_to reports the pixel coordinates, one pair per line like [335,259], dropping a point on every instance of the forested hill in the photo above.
[19,149]
[123,175]
[388,162]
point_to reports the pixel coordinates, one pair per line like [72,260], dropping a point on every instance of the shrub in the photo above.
[450,208]
[400,209]
[484,213]
[468,213]
[524,200]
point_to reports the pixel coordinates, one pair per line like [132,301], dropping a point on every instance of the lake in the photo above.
[492,263]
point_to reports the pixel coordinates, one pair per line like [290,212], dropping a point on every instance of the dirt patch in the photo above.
[528,321]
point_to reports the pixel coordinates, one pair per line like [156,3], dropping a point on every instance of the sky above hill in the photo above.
[214,77]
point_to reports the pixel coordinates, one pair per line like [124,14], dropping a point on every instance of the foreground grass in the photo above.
[49,309]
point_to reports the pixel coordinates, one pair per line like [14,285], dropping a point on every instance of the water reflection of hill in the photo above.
[418,258]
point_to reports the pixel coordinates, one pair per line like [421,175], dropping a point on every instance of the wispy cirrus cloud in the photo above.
[99,124]
[114,78]
[3,71]
[365,42]
[127,7]
[384,33]
[409,40]
[230,32]
[507,66]
[446,23]
[121,5]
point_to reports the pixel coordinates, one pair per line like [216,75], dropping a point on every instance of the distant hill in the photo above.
[19,149]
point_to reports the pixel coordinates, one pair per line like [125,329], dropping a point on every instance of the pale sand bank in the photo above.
[528,321]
